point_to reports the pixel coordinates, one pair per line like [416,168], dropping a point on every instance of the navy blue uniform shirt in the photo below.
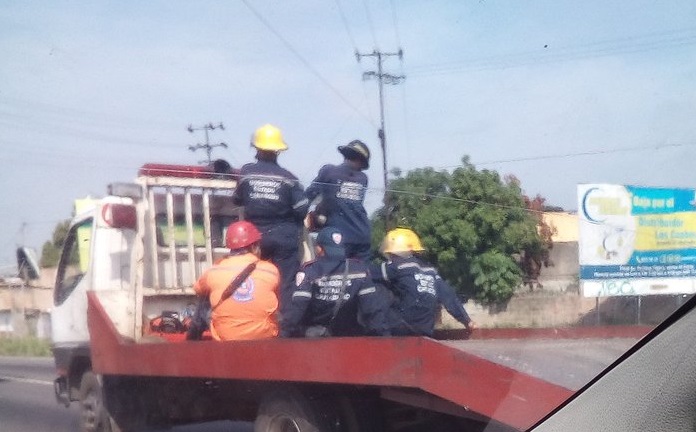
[317,290]
[418,291]
[343,193]
[270,195]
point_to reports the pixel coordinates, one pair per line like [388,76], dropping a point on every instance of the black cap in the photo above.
[356,149]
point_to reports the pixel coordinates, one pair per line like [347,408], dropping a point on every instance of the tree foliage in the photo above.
[539,255]
[50,252]
[473,224]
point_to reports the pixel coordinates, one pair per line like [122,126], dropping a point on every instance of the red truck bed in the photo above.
[477,378]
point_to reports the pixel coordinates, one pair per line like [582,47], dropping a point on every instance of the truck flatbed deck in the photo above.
[514,382]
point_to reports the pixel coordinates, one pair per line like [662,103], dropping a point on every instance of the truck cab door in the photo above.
[68,318]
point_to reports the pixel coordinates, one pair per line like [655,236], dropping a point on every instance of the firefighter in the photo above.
[335,296]
[342,189]
[275,202]
[242,288]
[417,287]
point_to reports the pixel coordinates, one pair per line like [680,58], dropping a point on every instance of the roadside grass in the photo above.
[24,347]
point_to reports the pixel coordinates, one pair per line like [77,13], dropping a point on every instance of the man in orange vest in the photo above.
[242,288]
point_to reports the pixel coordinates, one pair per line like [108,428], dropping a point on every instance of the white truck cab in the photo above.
[140,248]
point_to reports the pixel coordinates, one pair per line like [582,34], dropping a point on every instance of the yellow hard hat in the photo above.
[401,240]
[269,138]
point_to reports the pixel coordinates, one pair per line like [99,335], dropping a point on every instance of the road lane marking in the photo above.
[25,380]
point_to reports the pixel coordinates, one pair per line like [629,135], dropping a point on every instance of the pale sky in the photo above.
[555,92]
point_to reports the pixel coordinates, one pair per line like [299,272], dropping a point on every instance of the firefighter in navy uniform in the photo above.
[335,296]
[275,203]
[417,287]
[342,188]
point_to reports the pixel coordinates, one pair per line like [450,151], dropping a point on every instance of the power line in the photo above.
[68,131]
[395,22]
[407,128]
[345,25]
[344,20]
[305,62]
[515,208]
[577,154]
[78,114]
[629,45]
[369,22]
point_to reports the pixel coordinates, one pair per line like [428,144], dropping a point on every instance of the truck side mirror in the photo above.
[27,264]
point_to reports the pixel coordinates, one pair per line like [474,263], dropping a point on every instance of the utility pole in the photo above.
[383,78]
[207,146]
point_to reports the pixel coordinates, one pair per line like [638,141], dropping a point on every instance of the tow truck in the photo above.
[132,257]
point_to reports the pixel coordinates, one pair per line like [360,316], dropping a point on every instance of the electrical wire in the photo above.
[344,20]
[306,63]
[49,129]
[629,45]
[407,129]
[345,25]
[578,154]
[370,24]
[418,195]
[395,21]
[73,114]
[514,208]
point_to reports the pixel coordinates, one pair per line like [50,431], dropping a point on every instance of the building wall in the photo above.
[562,274]
[564,224]
[6,321]
[18,297]
[569,310]
[25,309]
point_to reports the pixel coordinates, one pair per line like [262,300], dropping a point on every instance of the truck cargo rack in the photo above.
[184,262]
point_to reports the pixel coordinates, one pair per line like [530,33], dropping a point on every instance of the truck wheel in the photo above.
[93,415]
[292,411]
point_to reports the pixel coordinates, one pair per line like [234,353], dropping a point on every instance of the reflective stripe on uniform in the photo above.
[336,277]
[384,271]
[367,291]
[300,203]
[302,294]
[412,264]
[281,179]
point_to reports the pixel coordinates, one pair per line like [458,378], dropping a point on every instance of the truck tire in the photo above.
[289,410]
[93,414]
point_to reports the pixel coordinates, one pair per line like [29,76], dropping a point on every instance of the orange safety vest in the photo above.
[251,311]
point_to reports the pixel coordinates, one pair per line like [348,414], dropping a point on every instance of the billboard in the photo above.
[636,240]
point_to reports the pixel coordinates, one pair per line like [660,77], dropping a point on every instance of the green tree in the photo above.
[473,225]
[539,254]
[50,252]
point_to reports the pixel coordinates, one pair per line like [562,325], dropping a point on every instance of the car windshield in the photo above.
[529,161]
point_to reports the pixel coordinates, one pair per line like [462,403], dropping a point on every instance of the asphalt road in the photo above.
[27,403]
[570,363]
